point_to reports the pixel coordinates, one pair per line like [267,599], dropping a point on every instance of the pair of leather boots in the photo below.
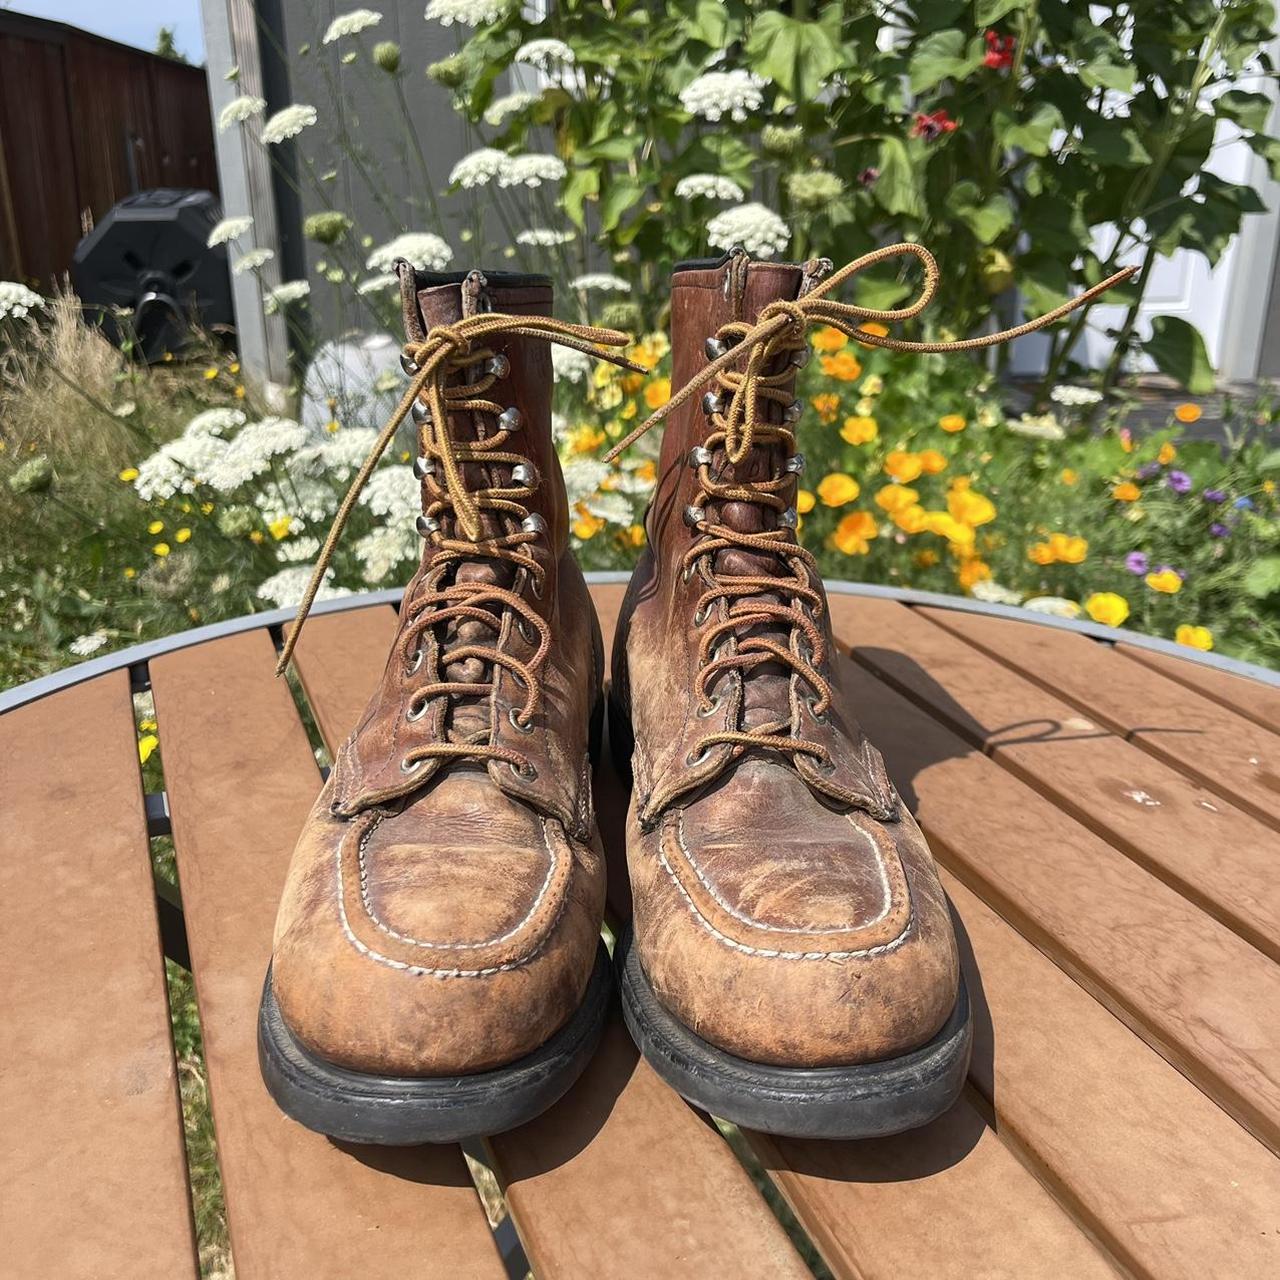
[438,971]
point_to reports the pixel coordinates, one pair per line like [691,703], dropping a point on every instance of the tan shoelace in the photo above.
[736,427]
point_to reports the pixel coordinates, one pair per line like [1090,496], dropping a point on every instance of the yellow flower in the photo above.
[585,439]
[130,572]
[657,393]
[873,327]
[945,525]
[280,528]
[1189,413]
[1126,491]
[952,422]
[872,385]
[634,535]
[1268,487]
[161,549]
[631,383]
[210,374]
[970,508]
[585,525]
[971,571]
[1165,581]
[647,471]
[1040,553]
[828,339]
[1068,549]
[853,534]
[147,726]
[1069,476]
[206,508]
[895,497]
[155,526]
[1196,637]
[837,489]
[183,535]
[804,501]
[1167,454]
[405,455]
[628,411]
[859,430]
[333,426]
[903,466]
[910,519]
[931,462]
[234,367]
[926,559]
[129,474]
[257,536]
[146,745]
[844,367]
[650,349]
[1107,607]
[827,406]
[239,393]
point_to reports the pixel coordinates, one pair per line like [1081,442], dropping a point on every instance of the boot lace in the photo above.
[753,370]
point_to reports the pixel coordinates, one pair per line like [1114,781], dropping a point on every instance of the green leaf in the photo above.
[709,24]
[580,184]
[1269,149]
[1108,75]
[880,292]
[987,220]
[1044,281]
[988,12]
[1263,577]
[1031,136]
[1179,351]
[798,56]
[942,56]
[1270,461]
[896,189]
[1113,147]
[623,193]
[1248,110]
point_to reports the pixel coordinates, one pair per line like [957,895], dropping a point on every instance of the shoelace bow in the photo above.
[447,351]
[736,427]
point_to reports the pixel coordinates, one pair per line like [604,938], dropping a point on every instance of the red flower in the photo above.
[999,51]
[932,126]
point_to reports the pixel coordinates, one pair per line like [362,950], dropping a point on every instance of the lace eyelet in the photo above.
[408,766]
[515,722]
[526,772]
[417,657]
[701,614]
[535,586]
[819,717]
[411,715]
[686,573]
[527,633]
[705,713]
[695,758]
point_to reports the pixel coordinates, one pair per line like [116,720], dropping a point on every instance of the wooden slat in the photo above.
[1257,702]
[1220,858]
[1235,757]
[621,1169]
[92,1166]
[241,778]
[1205,998]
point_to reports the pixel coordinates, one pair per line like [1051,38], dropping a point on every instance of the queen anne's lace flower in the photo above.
[16,300]
[286,588]
[512,104]
[251,452]
[543,53]
[385,548]
[240,109]
[477,167]
[469,13]
[1075,397]
[569,364]
[393,492]
[288,122]
[282,295]
[214,422]
[1037,427]
[708,185]
[600,282]
[716,94]
[294,549]
[228,229]
[814,188]
[530,171]
[427,252]
[1055,606]
[759,230]
[543,237]
[252,260]
[993,593]
[376,284]
[350,24]
[610,506]
[86,646]
[339,456]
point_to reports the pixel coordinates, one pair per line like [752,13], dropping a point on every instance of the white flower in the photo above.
[543,237]
[423,249]
[292,550]
[500,108]
[304,499]
[1075,397]
[228,229]
[229,466]
[86,646]
[600,282]
[723,93]
[252,260]
[376,284]
[287,587]
[283,294]
[759,230]
[569,364]
[338,455]
[214,422]
[470,13]
[393,492]
[1055,606]
[993,593]
[477,167]
[16,300]
[288,122]
[709,185]
[583,477]
[613,507]
[542,53]
[386,547]
[240,109]
[1042,427]
[530,171]
[350,24]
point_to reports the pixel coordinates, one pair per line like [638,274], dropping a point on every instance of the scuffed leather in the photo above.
[787,911]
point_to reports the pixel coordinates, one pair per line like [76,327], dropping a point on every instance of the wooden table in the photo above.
[1106,816]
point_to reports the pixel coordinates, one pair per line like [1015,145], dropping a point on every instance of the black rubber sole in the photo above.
[399,1111]
[870,1100]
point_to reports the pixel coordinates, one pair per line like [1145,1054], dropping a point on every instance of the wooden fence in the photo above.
[84,122]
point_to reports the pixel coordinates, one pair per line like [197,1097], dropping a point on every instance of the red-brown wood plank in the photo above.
[1250,698]
[241,777]
[1235,757]
[1205,998]
[93,1175]
[1222,859]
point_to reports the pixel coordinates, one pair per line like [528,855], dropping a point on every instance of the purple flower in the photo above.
[1244,504]
[1137,562]
[1148,469]
[1219,530]
[1214,495]
[1178,481]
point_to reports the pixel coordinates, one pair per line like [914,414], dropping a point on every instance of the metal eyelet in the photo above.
[423,467]
[695,758]
[711,403]
[524,473]
[407,365]
[788,519]
[694,515]
[499,366]
[686,573]
[714,348]
[701,614]
[420,412]
[819,717]
[411,715]
[527,772]
[699,456]
[792,412]
[527,633]
[533,523]
[800,357]
[417,657]
[515,722]
[509,419]
[795,464]
[411,766]
[426,526]
[705,713]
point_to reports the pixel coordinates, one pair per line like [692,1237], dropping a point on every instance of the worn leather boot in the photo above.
[437,970]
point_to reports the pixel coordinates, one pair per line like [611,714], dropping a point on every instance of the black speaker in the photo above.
[149,257]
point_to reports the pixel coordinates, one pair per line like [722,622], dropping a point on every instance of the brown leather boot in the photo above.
[793,966]
[437,971]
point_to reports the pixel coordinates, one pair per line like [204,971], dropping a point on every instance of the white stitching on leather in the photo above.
[779,928]
[452,946]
